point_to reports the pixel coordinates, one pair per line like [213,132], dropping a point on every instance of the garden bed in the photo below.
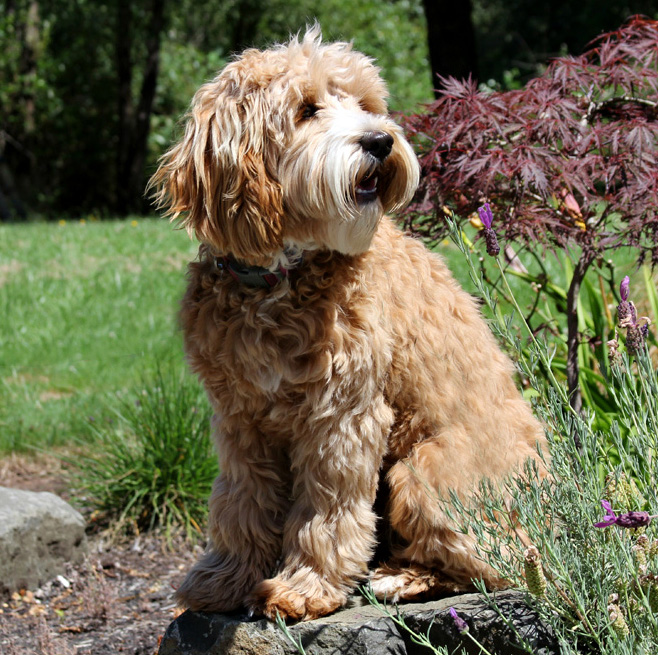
[120,600]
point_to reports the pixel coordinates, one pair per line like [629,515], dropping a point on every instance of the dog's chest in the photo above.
[280,348]
[259,346]
[271,357]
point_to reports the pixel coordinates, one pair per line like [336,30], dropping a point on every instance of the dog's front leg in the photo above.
[329,535]
[248,505]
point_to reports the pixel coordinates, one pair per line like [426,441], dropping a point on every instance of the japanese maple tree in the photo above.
[569,161]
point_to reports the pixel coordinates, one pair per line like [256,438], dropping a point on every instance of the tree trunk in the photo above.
[573,337]
[248,14]
[451,39]
[28,34]
[29,63]
[145,106]
[134,126]
[124,104]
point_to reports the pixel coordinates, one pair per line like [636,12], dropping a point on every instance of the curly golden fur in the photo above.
[366,361]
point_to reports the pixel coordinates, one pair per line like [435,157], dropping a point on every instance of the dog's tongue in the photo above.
[369,183]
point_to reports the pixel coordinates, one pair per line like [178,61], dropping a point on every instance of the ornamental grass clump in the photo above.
[152,466]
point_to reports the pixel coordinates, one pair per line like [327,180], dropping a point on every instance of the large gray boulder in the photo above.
[365,630]
[39,533]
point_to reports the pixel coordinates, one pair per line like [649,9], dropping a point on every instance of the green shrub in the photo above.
[153,466]
[582,542]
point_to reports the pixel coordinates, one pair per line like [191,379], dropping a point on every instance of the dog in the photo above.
[339,355]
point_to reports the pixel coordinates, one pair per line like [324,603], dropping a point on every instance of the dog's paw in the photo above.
[217,584]
[394,583]
[388,587]
[276,597]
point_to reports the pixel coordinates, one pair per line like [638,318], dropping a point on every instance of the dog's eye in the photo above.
[308,111]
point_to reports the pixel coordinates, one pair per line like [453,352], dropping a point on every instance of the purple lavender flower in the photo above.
[627,520]
[634,339]
[636,333]
[626,313]
[462,626]
[610,517]
[634,520]
[486,216]
[624,288]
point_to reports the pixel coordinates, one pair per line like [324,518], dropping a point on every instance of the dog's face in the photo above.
[290,147]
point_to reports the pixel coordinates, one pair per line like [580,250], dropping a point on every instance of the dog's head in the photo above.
[288,147]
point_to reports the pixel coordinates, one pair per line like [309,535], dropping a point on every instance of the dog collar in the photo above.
[251,276]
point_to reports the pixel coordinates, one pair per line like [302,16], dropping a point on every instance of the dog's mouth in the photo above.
[366,189]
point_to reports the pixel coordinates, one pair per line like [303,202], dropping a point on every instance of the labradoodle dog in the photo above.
[339,355]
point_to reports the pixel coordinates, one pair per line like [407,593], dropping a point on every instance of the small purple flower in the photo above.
[634,520]
[624,288]
[636,332]
[462,626]
[486,216]
[610,517]
[627,520]
[626,313]
[635,339]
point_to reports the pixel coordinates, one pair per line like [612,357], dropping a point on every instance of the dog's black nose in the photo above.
[378,144]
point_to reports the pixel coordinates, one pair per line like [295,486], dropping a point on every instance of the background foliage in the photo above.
[91,90]
[75,83]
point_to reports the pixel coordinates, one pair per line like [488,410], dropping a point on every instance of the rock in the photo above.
[39,533]
[365,630]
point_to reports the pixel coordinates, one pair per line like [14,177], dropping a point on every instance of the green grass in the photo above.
[86,307]
[89,307]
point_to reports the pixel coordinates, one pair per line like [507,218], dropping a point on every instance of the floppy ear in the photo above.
[216,181]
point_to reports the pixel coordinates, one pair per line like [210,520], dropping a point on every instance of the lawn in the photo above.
[88,307]
[89,312]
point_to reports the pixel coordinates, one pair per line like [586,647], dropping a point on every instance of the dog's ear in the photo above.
[217,180]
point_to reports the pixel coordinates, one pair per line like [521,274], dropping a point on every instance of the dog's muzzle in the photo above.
[378,145]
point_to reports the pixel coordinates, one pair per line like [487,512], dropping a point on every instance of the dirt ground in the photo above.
[119,600]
